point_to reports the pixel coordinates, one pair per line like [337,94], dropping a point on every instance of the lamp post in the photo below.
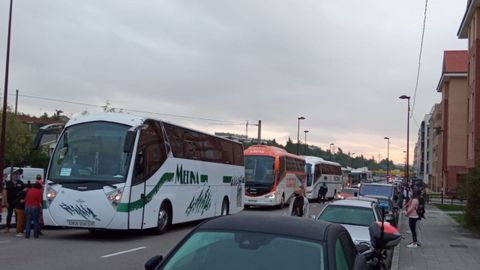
[305,152]
[298,133]
[5,95]
[331,150]
[388,157]
[407,175]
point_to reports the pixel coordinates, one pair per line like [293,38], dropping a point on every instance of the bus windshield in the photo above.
[90,152]
[259,170]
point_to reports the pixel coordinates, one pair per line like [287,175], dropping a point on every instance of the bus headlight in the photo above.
[51,194]
[270,196]
[115,196]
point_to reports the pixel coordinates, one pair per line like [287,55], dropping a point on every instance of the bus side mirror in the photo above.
[129,141]
[140,162]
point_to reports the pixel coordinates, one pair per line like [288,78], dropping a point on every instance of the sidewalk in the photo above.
[445,245]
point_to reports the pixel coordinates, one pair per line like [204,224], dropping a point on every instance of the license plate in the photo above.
[83,223]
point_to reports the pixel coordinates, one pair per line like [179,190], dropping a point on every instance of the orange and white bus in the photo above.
[271,175]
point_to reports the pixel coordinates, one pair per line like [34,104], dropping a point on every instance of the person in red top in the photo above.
[33,206]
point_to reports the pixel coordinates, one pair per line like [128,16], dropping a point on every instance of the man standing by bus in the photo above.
[323,192]
[12,187]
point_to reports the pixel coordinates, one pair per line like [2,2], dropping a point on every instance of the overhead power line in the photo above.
[420,57]
[128,109]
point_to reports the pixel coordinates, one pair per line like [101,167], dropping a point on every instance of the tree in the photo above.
[17,141]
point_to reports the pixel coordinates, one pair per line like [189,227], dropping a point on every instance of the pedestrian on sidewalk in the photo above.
[33,204]
[411,213]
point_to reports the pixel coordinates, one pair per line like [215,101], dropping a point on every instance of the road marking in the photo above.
[122,252]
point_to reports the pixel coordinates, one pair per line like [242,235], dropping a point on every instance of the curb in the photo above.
[396,251]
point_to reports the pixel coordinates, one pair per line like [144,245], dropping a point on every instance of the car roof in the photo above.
[354,202]
[377,184]
[281,225]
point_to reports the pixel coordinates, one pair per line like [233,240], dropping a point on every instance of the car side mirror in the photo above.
[153,262]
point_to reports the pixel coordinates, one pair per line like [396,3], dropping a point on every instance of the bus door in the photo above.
[150,155]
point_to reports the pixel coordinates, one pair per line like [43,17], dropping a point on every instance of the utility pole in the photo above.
[5,95]
[16,101]
[259,131]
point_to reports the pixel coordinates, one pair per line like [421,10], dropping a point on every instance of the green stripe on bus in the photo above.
[126,207]
[44,204]
[203,178]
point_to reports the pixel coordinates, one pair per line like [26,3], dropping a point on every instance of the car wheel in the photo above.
[225,207]
[164,219]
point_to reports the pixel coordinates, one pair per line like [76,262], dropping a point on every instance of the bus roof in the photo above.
[319,160]
[127,119]
[266,150]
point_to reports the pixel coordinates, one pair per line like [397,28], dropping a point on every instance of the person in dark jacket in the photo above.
[19,205]
[12,187]
[322,192]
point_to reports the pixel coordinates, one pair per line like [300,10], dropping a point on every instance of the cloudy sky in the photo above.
[341,64]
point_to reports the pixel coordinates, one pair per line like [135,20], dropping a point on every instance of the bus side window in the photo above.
[151,152]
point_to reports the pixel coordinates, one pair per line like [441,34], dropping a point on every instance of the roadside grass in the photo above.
[450,207]
[459,218]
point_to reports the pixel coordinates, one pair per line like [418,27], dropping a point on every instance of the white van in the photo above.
[29,173]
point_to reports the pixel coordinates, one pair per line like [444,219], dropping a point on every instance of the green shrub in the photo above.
[472,216]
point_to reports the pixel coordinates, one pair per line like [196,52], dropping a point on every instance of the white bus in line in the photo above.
[123,172]
[320,171]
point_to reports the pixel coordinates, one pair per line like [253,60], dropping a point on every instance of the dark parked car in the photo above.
[263,242]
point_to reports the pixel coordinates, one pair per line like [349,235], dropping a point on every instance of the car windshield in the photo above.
[259,170]
[351,215]
[90,152]
[219,250]
[376,190]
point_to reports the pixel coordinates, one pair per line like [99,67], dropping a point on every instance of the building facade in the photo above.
[454,89]
[435,178]
[470,29]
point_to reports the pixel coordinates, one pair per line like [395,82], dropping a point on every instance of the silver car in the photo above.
[355,215]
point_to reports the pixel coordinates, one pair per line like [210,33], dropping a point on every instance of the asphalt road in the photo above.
[81,249]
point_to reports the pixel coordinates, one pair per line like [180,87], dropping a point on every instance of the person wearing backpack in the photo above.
[411,213]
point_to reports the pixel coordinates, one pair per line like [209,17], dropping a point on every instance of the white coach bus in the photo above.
[124,172]
[320,171]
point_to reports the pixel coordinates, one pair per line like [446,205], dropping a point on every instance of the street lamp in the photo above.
[388,157]
[306,131]
[408,136]
[298,133]
[331,150]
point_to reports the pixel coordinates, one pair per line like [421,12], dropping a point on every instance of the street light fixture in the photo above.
[388,157]
[331,150]
[305,152]
[408,137]
[298,133]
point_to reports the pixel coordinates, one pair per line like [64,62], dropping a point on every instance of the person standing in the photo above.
[411,212]
[12,187]
[33,204]
[299,206]
[19,205]
[323,192]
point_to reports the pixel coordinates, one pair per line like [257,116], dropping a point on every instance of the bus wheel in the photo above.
[245,206]
[225,207]
[164,219]
[282,202]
